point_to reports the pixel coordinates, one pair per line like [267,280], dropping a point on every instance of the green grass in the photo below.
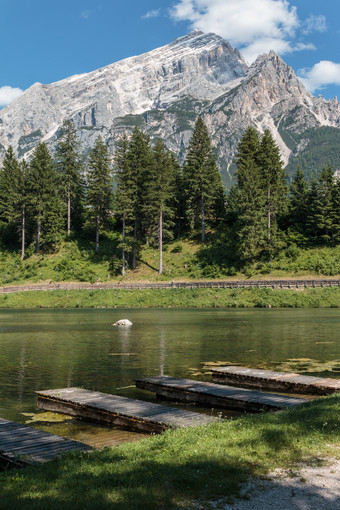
[182,469]
[175,298]
[183,260]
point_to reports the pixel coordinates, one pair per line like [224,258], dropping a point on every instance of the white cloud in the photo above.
[154,13]
[86,14]
[321,75]
[314,24]
[254,26]
[7,94]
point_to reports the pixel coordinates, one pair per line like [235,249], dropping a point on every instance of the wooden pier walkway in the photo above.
[274,381]
[120,411]
[216,395]
[21,445]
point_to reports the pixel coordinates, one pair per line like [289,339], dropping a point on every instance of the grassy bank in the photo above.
[180,469]
[183,260]
[175,298]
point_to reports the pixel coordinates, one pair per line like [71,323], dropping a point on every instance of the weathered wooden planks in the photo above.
[216,395]
[21,445]
[275,381]
[120,411]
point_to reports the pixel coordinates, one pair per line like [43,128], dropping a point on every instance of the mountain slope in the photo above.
[164,90]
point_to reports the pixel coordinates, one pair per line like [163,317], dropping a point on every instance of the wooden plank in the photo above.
[275,381]
[21,445]
[215,395]
[127,413]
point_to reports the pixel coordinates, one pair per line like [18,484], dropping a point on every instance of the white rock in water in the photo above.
[123,322]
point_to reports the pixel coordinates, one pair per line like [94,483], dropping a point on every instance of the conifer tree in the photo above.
[140,162]
[251,223]
[69,166]
[336,210]
[322,213]
[43,192]
[99,186]
[298,202]
[202,180]
[160,197]
[125,197]
[273,177]
[13,195]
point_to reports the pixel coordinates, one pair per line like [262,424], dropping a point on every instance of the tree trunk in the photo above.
[23,232]
[134,252]
[203,221]
[160,271]
[123,248]
[68,211]
[97,234]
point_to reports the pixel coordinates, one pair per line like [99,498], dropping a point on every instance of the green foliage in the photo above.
[68,164]
[99,187]
[202,181]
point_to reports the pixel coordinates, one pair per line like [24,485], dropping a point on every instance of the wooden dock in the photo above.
[216,395]
[274,381]
[21,445]
[119,411]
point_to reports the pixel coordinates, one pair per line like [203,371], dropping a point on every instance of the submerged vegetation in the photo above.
[186,468]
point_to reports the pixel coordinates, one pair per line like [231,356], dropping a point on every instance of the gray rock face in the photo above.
[163,91]
[197,65]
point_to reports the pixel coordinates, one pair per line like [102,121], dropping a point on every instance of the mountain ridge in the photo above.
[164,90]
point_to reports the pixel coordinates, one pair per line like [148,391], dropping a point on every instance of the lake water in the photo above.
[42,349]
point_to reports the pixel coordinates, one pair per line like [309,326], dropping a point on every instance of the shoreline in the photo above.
[220,298]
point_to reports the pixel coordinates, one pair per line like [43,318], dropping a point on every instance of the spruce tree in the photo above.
[99,186]
[251,223]
[13,195]
[69,166]
[273,177]
[43,193]
[125,197]
[140,162]
[202,180]
[160,197]
[298,202]
[322,213]
[336,210]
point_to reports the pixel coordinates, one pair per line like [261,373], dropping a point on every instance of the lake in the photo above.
[42,349]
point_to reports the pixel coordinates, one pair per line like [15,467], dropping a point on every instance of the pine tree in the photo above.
[251,223]
[336,210]
[69,166]
[99,184]
[202,180]
[125,197]
[140,162]
[42,192]
[273,177]
[322,213]
[160,197]
[298,202]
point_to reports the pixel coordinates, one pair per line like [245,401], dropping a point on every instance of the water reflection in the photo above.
[43,349]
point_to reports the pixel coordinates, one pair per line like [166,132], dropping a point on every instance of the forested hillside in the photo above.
[62,218]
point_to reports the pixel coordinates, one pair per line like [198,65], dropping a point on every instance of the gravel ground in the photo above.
[306,488]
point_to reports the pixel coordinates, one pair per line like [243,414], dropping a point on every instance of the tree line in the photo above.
[143,192]
[148,197]
[264,213]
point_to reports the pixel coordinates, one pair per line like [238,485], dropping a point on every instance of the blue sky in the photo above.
[46,41]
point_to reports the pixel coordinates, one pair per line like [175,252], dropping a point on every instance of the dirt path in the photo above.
[308,488]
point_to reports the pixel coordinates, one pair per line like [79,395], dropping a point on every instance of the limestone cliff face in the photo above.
[164,90]
[197,65]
